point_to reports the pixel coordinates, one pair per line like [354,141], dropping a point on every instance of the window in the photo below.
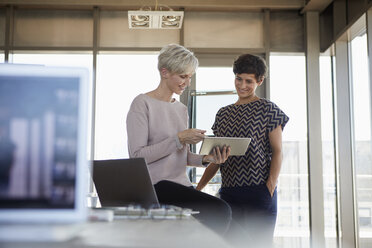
[120,78]
[2,57]
[55,59]
[211,82]
[288,91]
[58,59]
[362,137]
[215,79]
[328,151]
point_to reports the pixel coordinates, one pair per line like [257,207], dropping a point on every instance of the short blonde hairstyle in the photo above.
[177,59]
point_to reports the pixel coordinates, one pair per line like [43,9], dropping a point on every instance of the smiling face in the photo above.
[246,85]
[176,83]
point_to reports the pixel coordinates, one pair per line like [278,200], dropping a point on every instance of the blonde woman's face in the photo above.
[177,83]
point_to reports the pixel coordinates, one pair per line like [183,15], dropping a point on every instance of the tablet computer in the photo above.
[238,145]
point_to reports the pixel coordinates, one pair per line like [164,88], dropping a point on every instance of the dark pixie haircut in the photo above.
[250,64]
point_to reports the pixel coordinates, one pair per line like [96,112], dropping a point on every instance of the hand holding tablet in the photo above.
[218,155]
[238,145]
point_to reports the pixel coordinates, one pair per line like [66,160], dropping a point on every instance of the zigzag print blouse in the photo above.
[253,120]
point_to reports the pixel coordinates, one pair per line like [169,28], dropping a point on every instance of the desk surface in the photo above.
[137,233]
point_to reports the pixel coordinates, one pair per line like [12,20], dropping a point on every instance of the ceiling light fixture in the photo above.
[162,17]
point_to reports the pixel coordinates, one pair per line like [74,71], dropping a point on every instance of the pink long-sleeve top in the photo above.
[152,127]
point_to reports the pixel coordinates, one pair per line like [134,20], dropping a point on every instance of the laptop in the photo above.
[43,151]
[124,182]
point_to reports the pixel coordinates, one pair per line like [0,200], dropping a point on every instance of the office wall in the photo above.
[224,29]
[2,27]
[338,17]
[55,28]
[286,31]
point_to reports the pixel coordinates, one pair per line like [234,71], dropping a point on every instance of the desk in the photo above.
[137,233]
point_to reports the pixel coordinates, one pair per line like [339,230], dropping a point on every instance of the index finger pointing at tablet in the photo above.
[200,130]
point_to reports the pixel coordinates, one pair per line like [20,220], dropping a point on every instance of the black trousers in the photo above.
[254,214]
[214,212]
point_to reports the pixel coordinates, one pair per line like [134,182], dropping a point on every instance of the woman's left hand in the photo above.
[218,156]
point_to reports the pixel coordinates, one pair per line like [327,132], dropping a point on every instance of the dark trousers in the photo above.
[254,214]
[214,212]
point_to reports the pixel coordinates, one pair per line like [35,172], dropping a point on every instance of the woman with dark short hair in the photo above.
[249,181]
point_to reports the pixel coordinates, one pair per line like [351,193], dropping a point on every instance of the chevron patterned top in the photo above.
[253,120]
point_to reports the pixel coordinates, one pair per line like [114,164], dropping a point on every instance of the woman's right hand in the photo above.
[191,136]
[218,156]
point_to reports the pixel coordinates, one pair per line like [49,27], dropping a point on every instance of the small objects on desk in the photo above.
[137,212]
[100,214]
[93,200]
[131,211]
[171,212]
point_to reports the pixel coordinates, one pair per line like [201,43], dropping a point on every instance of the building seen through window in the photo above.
[361,97]
[328,151]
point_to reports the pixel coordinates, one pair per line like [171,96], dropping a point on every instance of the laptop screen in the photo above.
[40,142]
[123,182]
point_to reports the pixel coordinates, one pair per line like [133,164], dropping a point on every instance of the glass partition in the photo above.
[361,100]
[288,91]
[120,78]
[328,151]
[58,59]
[214,89]
[215,79]
[206,107]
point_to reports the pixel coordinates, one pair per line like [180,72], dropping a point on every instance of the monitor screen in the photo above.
[39,141]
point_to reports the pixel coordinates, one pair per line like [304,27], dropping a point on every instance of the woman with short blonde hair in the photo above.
[177,59]
[157,130]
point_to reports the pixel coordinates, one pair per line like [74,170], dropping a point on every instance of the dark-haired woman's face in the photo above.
[246,85]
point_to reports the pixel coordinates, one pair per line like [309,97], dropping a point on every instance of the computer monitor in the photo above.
[43,143]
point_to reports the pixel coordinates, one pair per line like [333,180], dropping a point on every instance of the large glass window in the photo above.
[215,79]
[328,151]
[55,59]
[214,89]
[120,78]
[2,58]
[59,59]
[362,137]
[288,91]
